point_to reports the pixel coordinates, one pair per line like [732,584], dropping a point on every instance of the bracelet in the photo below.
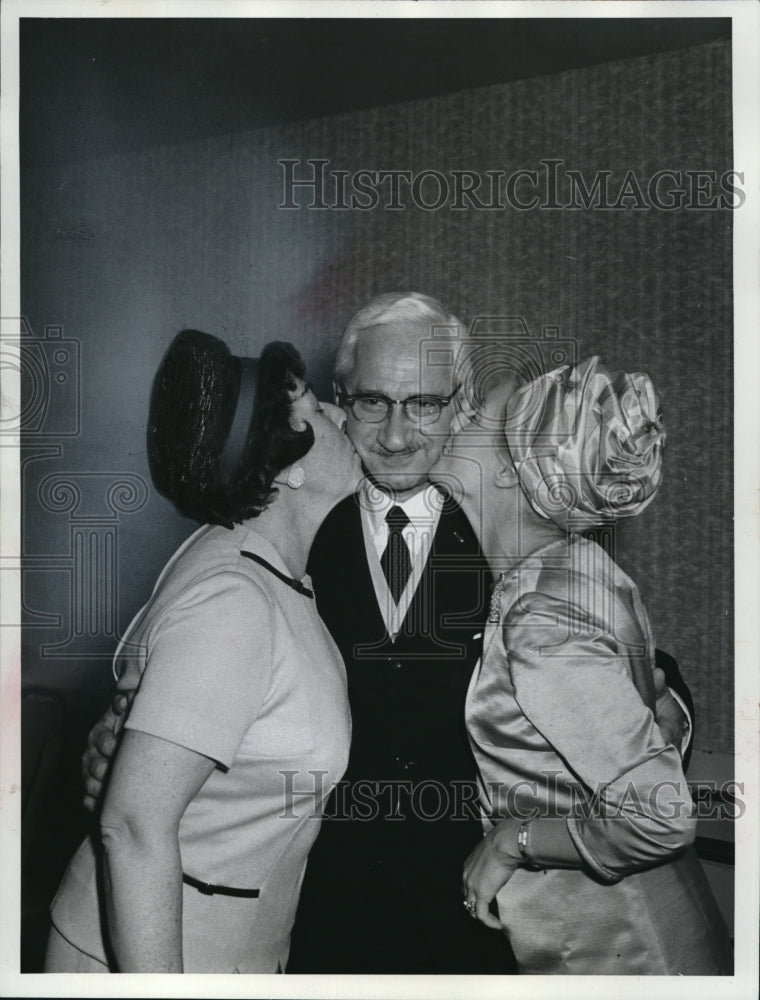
[522,846]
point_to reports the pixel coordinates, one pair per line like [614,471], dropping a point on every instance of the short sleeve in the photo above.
[208,667]
[573,683]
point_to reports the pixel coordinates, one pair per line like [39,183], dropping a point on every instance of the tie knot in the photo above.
[396,519]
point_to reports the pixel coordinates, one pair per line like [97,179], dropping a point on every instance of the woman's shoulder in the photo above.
[212,568]
[578,579]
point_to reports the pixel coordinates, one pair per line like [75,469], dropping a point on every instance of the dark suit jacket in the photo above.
[407,704]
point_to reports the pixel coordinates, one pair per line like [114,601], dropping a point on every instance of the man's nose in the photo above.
[394,430]
[335,413]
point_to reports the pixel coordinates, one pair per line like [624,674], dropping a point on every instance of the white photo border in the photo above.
[746,88]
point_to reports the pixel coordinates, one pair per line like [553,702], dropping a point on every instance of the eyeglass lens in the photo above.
[374,409]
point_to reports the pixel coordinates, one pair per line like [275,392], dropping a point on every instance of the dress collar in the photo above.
[252,544]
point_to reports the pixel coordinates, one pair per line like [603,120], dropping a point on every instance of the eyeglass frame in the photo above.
[347,400]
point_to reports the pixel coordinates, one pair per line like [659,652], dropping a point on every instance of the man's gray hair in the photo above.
[392,309]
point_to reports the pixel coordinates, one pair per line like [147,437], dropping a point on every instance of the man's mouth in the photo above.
[382,453]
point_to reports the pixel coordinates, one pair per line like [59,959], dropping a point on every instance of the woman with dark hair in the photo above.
[212,803]
[587,813]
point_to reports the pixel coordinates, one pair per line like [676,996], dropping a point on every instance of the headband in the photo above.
[234,446]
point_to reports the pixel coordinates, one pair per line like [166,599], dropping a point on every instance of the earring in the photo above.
[296,477]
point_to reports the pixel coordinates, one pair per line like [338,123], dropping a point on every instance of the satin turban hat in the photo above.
[587,443]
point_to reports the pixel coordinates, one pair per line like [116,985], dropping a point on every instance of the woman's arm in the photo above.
[572,681]
[574,687]
[152,784]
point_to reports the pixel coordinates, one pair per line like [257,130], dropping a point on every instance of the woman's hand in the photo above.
[489,868]
[101,746]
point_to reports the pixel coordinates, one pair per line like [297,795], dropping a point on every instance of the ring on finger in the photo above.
[469,905]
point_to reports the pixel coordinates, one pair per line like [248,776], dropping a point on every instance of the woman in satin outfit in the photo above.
[588,818]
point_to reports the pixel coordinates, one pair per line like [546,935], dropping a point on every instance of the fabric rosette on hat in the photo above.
[587,443]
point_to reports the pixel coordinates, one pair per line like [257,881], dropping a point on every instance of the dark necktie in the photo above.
[396,561]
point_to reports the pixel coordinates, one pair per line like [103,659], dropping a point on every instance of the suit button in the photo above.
[376,863]
[402,764]
[397,664]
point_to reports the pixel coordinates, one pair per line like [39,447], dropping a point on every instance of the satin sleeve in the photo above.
[579,694]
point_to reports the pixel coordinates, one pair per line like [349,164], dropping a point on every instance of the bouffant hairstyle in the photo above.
[192,409]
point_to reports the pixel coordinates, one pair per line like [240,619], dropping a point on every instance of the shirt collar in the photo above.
[423,507]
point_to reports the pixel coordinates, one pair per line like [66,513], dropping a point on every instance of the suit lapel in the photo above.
[342,581]
[453,587]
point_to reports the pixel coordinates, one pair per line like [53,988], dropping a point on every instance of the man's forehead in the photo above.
[401,353]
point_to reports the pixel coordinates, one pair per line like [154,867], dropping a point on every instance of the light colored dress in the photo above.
[558,722]
[235,664]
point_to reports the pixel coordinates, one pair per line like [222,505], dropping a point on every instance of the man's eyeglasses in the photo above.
[373,407]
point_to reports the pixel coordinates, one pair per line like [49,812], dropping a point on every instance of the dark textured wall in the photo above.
[122,252]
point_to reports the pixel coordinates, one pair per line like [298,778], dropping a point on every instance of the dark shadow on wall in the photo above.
[145,84]
[55,725]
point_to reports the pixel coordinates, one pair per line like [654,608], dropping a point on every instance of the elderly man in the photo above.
[402,585]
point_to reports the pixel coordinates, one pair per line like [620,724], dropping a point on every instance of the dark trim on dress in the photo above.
[295,584]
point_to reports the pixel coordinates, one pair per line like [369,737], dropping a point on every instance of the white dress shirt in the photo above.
[424,512]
